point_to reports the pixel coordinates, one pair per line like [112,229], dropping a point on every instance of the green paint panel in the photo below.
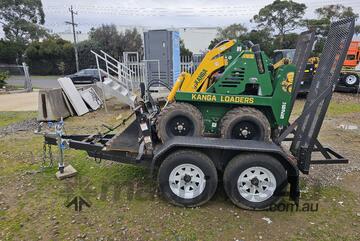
[243,71]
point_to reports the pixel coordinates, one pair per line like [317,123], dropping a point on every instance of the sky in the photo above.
[163,13]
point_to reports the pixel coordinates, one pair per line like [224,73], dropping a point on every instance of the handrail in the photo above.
[114,78]
[116,61]
[105,60]
[125,75]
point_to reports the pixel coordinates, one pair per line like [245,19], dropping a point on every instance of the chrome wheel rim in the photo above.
[256,184]
[350,80]
[187,181]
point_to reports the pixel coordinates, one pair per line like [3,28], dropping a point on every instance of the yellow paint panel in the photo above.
[248,56]
[176,87]
[207,66]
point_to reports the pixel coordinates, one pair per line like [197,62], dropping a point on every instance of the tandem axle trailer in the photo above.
[255,173]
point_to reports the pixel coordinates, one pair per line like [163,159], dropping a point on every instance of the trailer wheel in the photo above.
[187,178]
[245,123]
[179,119]
[254,181]
[351,80]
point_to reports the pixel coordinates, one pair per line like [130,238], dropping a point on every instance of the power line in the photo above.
[74,33]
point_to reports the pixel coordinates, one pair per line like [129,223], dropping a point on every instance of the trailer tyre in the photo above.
[254,181]
[245,123]
[187,178]
[179,119]
[351,80]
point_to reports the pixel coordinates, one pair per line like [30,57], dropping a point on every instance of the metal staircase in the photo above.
[120,81]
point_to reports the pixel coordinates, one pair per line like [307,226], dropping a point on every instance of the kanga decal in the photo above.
[223,98]
[288,82]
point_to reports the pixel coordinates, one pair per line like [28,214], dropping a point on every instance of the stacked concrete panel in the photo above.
[52,105]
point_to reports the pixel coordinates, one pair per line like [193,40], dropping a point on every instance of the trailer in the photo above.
[348,80]
[350,73]
[255,174]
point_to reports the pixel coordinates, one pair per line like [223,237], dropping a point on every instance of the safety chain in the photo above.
[47,155]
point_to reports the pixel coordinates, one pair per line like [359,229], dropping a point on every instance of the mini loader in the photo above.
[225,88]
[236,92]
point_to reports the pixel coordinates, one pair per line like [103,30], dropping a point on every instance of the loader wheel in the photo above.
[245,123]
[187,178]
[254,181]
[179,119]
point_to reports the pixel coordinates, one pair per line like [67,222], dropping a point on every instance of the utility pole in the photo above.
[74,33]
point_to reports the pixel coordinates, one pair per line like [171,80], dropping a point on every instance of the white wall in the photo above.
[197,40]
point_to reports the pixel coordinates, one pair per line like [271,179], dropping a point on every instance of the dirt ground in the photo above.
[19,101]
[125,205]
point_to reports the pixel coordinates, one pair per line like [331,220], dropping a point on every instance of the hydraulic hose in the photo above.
[257,52]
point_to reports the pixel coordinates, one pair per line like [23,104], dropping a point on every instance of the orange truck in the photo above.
[350,73]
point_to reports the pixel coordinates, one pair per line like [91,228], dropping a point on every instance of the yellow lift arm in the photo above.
[199,80]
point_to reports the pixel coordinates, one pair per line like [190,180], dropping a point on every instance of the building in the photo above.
[196,39]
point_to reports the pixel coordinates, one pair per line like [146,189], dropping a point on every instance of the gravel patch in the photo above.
[26,125]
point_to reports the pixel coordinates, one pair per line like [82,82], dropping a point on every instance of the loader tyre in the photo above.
[187,178]
[179,119]
[254,181]
[245,123]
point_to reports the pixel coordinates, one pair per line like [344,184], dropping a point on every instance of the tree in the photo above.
[326,15]
[61,67]
[214,42]
[86,58]
[281,17]
[262,37]
[10,52]
[233,31]
[108,38]
[45,57]
[335,12]
[183,50]
[115,43]
[3,77]
[21,20]
[288,41]
[131,41]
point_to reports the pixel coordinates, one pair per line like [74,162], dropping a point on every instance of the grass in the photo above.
[148,217]
[7,118]
[335,108]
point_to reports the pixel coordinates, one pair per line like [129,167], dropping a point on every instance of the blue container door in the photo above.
[175,55]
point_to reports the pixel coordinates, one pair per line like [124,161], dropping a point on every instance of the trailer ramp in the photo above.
[303,49]
[307,126]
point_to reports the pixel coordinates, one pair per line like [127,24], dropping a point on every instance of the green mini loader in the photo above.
[242,101]
[236,92]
